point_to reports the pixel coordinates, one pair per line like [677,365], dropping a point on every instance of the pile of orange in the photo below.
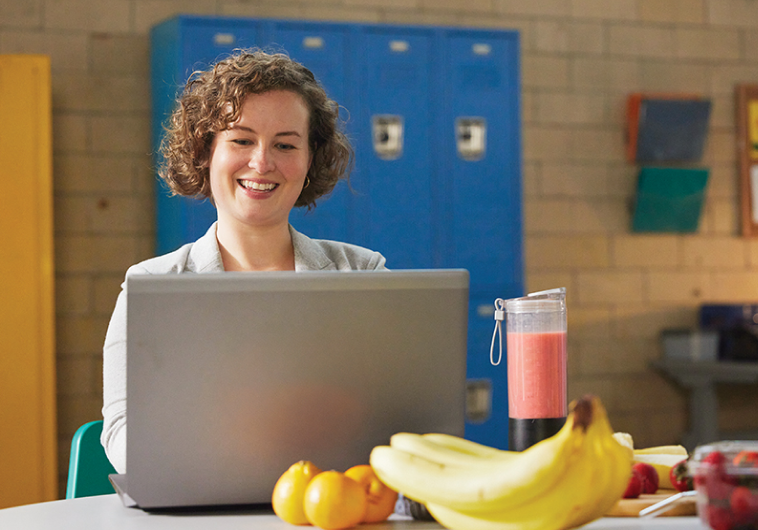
[329,499]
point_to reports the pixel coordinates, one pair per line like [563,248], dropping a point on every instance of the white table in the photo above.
[107,513]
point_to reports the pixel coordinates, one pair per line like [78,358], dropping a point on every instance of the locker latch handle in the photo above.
[387,132]
[471,137]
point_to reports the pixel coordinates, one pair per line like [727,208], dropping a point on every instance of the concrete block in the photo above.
[669,287]
[129,133]
[567,252]
[15,14]
[646,251]
[609,288]
[640,41]
[103,15]
[707,44]
[719,253]
[67,51]
[673,11]
[625,10]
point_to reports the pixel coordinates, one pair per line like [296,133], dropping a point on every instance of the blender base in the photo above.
[523,433]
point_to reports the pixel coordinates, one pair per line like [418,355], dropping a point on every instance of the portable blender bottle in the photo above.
[536,359]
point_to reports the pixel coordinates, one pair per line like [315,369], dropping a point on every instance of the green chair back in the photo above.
[88,467]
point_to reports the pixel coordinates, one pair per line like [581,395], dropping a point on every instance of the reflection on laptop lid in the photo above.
[233,377]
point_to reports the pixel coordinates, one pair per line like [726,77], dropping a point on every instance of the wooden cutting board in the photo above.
[632,507]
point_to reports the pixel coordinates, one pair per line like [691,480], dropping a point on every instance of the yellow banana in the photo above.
[465,446]
[541,492]
[610,461]
[663,450]
[475,488]
[448,454]
[596,479]
[552,510]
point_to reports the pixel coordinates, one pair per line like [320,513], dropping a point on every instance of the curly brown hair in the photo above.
[212,100]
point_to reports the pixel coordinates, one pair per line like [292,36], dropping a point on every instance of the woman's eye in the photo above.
[242,141]
[286,147]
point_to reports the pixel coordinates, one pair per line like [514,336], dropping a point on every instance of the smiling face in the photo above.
[258,165]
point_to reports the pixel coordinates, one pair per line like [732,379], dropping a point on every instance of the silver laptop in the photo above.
[233,377]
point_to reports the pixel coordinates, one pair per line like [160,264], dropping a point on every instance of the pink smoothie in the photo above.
[537,375]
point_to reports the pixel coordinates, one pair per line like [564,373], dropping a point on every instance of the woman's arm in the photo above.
[114,387]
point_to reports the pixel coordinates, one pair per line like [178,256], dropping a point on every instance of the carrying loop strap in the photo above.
[499,317]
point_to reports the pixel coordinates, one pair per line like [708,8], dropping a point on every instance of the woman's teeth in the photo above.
[257,186]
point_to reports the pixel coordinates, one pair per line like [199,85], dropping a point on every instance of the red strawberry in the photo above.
[680,477]
[649,476]
[744,504]
[715,458]
[634,487]
[719,518]
[746,459]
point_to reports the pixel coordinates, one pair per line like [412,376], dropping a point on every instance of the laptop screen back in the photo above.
[234,377]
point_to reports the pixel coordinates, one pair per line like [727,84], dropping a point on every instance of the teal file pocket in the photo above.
[669,199]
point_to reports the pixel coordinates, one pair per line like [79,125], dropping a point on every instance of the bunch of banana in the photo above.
[561,482]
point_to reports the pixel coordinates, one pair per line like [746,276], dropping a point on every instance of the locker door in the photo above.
[192,43]
[395,188]
[322,49]
[483,200]
[484,157]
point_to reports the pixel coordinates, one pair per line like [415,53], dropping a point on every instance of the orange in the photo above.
[334,501]
[289,492]
[381,499]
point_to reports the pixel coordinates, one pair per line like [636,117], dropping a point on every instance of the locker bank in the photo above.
[434,116]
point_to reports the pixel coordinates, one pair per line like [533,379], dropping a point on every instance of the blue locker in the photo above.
[483,190]
[434,116]
[395,185]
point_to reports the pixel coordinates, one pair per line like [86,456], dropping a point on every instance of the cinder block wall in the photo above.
[580,59]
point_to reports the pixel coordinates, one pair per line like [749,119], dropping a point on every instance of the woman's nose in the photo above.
[260,160]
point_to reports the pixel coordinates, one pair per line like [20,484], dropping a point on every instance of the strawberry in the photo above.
[746,459]
[744,504]
[715,458]
[634,487]
[680,477]
[719,518]
[649,476]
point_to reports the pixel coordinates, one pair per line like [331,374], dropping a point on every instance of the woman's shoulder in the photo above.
[320,254]
[173,262]
[200,256]
[347,256]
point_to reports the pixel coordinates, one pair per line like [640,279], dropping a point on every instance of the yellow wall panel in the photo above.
[28,454]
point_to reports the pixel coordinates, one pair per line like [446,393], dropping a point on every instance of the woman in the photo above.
[258,136]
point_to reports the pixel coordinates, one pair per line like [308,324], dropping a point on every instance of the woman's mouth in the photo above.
[264,187]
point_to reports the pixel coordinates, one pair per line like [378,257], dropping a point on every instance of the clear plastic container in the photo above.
[726,482]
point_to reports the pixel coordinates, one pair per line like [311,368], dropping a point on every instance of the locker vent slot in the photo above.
[471,138]
[478,400]
[313,42]
[399,46]
[388,136]
[224,39]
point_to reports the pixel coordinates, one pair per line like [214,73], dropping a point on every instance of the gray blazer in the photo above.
[202,256]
